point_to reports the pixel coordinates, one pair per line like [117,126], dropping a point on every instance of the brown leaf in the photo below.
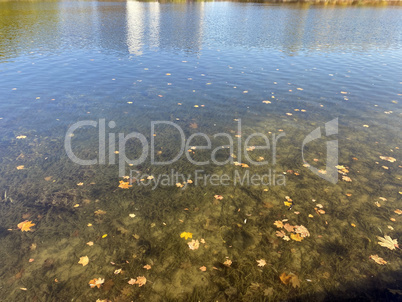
[288,227]
[290,279]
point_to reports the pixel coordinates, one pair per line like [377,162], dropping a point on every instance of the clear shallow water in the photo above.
[133,63]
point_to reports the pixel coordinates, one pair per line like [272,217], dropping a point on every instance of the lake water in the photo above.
[321,85]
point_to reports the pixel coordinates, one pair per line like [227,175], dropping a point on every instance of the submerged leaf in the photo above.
[124,184]
[83,260]
[280,234]
[186,235]
[25,226]
[141,280]
[96,282]
[290,279]
[288,227]
[194,244]
[388,242]
[228,262]
[296,237]
[378,259]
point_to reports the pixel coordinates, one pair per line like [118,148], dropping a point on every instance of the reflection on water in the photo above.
[279,70]
[298,28]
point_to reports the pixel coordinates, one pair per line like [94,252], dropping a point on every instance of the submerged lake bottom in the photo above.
[169,152]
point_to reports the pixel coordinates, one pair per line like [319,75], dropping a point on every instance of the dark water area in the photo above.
[307,227]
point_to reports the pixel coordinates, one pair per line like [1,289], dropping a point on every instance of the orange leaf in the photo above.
[25,226]
[285,278]
[124,184]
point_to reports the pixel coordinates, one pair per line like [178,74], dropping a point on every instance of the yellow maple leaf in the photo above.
[288,204]
[25,226]
[296,237]
[186,235]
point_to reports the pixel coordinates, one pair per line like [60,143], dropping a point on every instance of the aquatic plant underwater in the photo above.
[83,233]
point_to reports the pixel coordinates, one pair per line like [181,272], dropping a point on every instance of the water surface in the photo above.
[205,66]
